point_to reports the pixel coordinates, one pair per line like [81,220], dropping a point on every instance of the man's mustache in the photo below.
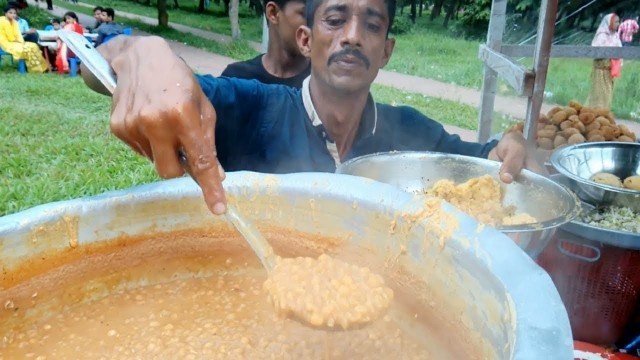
[346,52]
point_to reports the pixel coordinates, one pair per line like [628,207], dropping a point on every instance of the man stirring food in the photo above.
[234,124]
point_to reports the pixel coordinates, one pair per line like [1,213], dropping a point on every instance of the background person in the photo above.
[11,41]
[108,28]
[283,63]
[605,71]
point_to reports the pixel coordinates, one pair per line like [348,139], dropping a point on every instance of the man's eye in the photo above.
[334,22]
[373,27]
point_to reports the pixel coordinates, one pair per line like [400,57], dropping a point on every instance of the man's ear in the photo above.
[303,38]
[388,50]
[271,12]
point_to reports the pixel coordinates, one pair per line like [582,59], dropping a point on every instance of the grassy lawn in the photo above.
[213,19]
[236,50]
[56,143]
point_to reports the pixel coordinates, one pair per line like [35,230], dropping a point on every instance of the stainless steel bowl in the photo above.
[623,239]
[580,162]
[415,172]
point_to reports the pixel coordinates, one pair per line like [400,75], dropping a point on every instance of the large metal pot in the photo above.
[489,294]
[415,172]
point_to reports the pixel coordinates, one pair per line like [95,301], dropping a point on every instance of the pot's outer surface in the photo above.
[500,292]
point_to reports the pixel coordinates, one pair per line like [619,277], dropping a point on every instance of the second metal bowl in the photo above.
[580,162]
[549,202]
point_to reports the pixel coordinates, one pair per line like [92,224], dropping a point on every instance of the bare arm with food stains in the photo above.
[158,108]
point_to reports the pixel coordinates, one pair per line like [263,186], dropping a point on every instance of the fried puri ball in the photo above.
[593,126]
[575,139]
[545,143]
[576,105]
[558,117]
[587,117]
[606,178]
[558,141]
[632,182]
[570,111]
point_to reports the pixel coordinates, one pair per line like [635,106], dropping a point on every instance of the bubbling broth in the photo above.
[192,295]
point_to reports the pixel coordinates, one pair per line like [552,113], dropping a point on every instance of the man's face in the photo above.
[290,18]
[348,44]
[104,17]
[97,15]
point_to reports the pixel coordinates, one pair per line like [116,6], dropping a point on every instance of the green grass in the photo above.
[213,19]
[56,143]
[443,111]
[236,49]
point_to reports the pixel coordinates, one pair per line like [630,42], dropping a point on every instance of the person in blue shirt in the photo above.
[160,107]
[108,28]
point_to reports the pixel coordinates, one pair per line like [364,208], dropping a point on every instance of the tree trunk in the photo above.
[451,7]
[437,9]
[226,6]
[458,8]
[420,8]
[147,2]
[412,14]
[175,4]
[235,21]
[163,16]
[201,7]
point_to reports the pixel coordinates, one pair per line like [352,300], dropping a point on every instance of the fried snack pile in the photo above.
[574,124]
[604,178]
[480,198]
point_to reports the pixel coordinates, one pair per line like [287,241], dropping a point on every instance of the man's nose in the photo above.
[352,34]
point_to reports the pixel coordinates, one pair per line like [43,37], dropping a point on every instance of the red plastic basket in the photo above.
[599,285]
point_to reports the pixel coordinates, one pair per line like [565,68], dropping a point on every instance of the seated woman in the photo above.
[62,58]
[11,42]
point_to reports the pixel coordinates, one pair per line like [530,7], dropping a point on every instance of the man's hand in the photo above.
[515,154]
[159,108]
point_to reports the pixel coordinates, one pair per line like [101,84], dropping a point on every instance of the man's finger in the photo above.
[512,164]
[199,147]
[165,158]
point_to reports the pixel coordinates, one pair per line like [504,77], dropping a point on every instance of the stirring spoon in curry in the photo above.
[324,293]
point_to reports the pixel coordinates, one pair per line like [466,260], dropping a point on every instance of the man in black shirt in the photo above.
[283,63]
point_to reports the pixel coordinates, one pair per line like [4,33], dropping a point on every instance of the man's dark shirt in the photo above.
[266,128]
[254,69]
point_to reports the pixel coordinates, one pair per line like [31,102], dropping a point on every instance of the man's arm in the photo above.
[159,108]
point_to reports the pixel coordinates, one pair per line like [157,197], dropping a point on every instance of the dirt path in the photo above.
[205,62]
